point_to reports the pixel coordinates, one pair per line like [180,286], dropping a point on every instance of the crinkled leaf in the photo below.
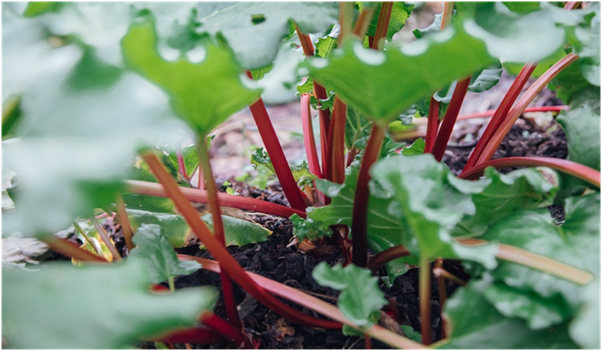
[587,45]
[576,242]
[485,80]
[570,83]
[356,127]
[160,259]
[307,229]
[254,30]
[204,94]
[369,80]
[123,309]
[173,226]
[433,202]
[360,296]
[475,323]
[537,311]
[240,232]
[583,327]
[260,158]
[504,194]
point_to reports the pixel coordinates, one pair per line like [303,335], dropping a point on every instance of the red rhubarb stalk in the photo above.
[383,25]
[181,164]
[226,329]
[433,125]
[359,225]
[69,249]
[217,250]
[521,105]
[337,142]
[489,113]
[501,112]
[308,137]
[580,171]
[449,120]
[292,192]
[218,228]
[197,195]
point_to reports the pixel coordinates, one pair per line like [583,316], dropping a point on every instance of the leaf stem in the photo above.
[218,228]
[500,113]
[171,283]
[450,118]
[308,137]
[313,303]
[424,290]
[441,273]
[433,125]
[70,249]
[447,14]
[221,254]
[345,18]
[538,262]
[105,237]
[126,228]
[270,139]
[214,322]
[442,292]
[521,105]
[362,192]
[578,170]
[363,21]
[387,255]
[336,149]
[181,164]
[383,24]
[197,195]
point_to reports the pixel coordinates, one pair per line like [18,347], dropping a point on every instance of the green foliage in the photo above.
[360,297]
[173,227]
[301,173]
[307,229]
[433,202]
[159,258]
[204,106]
[120,310]
[255,43]
[240,232]
[39,8]
[368,80]
[417,148]
[399,15]
[522,7]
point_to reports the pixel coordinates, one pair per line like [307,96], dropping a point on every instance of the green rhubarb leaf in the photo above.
[576,242]
[522,7]
[121,305]
[203,94]
[504,194]
[357,127]
[39,8]
[417,148]
[368,80]
[569,84]
[385,229]
[83,138]
[280,83]
[521,38]
[301,174]
[433,202]
[586,41]
[173,226]
[356,284]
[254,30]
[240,232]
[582,329]
[159,258]
[399,15]
[308,229]
[486,79]
[475,323]
[581,124]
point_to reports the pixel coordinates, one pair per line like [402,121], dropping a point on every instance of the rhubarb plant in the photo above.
[108,111]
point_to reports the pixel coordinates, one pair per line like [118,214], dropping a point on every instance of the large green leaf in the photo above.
[159,258]
[433,202]
[360,296]
[505,193]
[576,242]
[204,94]
[475,323]
[254,30]
[381,85]
[522,38]
[587,45]
[174,227]
[83,143]
[97,307]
